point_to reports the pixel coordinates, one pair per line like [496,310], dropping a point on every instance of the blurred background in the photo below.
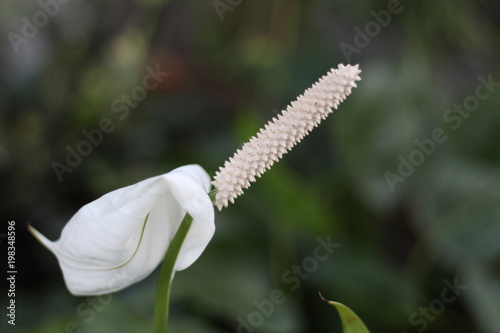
[404,177]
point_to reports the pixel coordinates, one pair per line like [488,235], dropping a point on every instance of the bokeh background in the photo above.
[232,66]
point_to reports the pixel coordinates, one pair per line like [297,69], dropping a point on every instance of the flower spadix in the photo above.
[283,132]
[120,238]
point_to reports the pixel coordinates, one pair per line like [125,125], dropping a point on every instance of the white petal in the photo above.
[199,205]
[108,244]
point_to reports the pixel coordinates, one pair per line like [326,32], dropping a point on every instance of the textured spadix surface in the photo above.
[120,238]
[283,132]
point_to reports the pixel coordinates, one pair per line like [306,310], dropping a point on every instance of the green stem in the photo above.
[160,322]
[212,194]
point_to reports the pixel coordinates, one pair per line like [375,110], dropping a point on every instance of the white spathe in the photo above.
[112,242]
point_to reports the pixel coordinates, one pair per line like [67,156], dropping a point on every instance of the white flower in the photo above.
[120,238]
[283,132]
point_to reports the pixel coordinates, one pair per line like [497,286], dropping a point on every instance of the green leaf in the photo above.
[351,323]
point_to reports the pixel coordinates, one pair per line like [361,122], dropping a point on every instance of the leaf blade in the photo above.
[351,323]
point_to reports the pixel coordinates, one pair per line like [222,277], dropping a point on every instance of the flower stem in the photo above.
[160,322]
[213,195]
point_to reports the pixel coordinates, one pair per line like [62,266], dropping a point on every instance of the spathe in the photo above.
[120,238]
